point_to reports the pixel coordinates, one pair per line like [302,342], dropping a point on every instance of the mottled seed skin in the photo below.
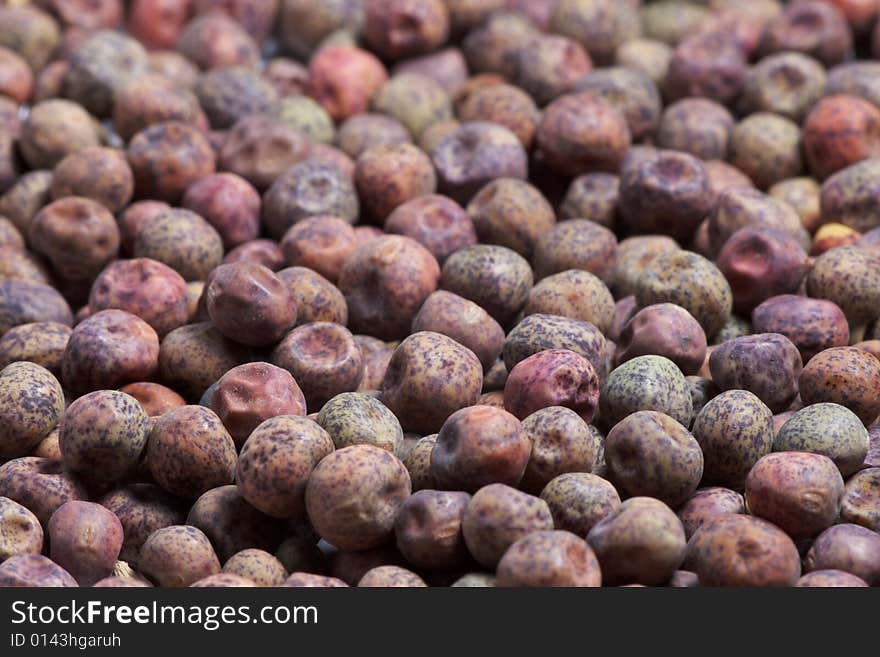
[741,550]
[189,451]
[646,383]
[354,418]
[799,492]
[812,325]
[706,504]
[844,375]
[103,434]
[650,454]
[734,430]
[561,442]
[178,556]
[828,429]
[429,377]
[40,484]
[690,281]
[861,499]
[31,404]
[496,517]
[354,494]
[428,529]
[579,500]
[639,542]
[549,558]
[767,364]
[34,570]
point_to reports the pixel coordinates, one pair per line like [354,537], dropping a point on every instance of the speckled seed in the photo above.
[182,240]
[690,281]
[573,293]
[463,321]
[861,499]
[734,430]
[650,383]
[741,550]
[40,484]
[390,577]
[549,558]
[639,542]
[576,244]
[494,277]
[561,443]
[579,500]
[844,375]
[317,299]
[811,324]
[429,377]
[849,548]
[20,530]
[178,556]
[418,463]
[850,277]
[31,403]
[189,451]
[103,434]
[496,517]
[428,529]
[33,570]
[109,349]
[650,454]
[539,332]
[355,418]
[706,504]
[828,429]
[258,566]
[276,461]
[354,494]
[142,509]
[798,492]
[663,329]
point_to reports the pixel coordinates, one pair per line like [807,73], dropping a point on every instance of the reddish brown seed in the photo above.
[260,252]
[477,446]
[399,28]
[549,558]
[145,288]
[250,304]
[385,282]
[229,203]
[581,132]
[761,263]
[155,398]
[321,243]
[840,130]
[178,556]
[799,492]
[388,176]
[811,324]
[427,529]
[78,235]
[665,330]
[214,40]
[741,550]
[156,23]
[109,349]
[844,375]
[436,222]
[323,358]
[354,495]
[345,79]
[429,377]
[706,65]
[249,394]
[168,157]
[706,504]
[85,540]
[831,578]
[849,548]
